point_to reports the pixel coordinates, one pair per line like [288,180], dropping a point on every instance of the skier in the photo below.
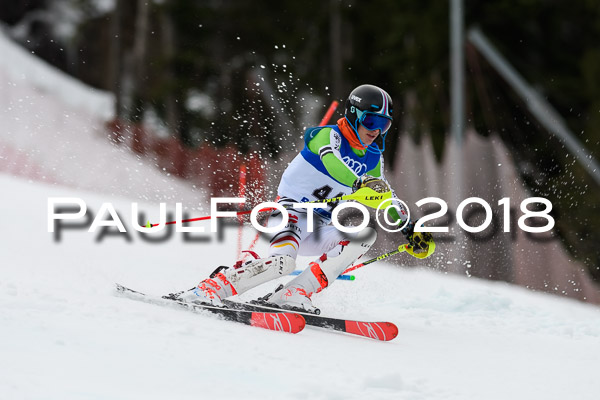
[336,160]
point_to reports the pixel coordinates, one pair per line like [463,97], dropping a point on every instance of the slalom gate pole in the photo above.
[324,121]
[241,193]
[332,107]
[329,113]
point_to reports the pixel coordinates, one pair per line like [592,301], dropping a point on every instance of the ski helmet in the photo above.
[371,107]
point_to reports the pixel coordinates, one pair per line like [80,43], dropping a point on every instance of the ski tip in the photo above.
[384,331]
[393,329]
[301,321]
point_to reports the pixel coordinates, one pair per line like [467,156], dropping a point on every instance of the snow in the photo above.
[64,334]
[54,130]
[22,68]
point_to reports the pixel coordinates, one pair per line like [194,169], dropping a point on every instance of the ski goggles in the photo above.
[373,121]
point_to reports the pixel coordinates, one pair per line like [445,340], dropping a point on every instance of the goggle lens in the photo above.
[375,121]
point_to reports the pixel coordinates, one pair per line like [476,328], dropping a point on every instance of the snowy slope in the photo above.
[65,335]
[54,130]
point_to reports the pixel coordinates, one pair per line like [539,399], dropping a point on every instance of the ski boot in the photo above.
[296,295]
[228,281]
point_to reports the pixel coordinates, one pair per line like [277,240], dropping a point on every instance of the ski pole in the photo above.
[400,249]
[365,195]
[149,225]
[341,277]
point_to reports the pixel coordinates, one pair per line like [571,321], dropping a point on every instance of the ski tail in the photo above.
[276,321]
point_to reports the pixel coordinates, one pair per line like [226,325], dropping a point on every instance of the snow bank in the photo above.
[54,130]
[21,67]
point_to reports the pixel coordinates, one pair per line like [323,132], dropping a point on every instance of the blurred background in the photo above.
[184,100]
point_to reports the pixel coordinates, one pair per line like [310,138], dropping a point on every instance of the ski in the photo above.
[383,331]
[276,321]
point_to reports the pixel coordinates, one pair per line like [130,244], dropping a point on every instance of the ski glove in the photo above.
[419,241]
[377,184]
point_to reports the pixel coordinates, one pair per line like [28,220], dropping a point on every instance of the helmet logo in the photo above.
[352,109]
[355,98]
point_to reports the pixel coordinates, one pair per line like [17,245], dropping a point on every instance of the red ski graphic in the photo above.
[375,330]
[282,322]
[384,331]
[276,321]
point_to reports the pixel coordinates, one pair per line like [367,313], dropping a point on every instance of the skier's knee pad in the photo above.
[259,271]
[366,237]
[287,267]
[347,252]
